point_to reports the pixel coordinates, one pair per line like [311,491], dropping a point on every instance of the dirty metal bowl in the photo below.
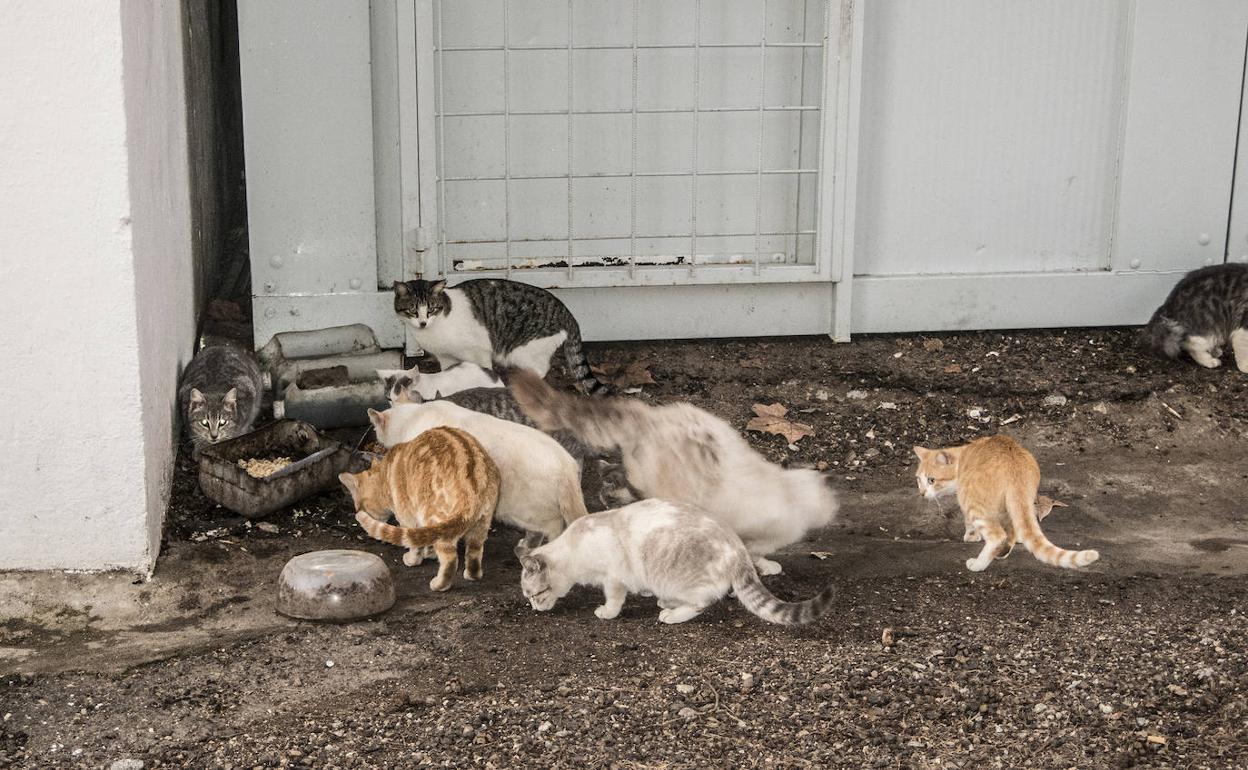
[335,585]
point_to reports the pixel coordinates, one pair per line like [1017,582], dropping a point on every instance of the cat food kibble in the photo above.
[260,467]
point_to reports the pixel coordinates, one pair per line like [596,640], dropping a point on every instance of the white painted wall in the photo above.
[95,279]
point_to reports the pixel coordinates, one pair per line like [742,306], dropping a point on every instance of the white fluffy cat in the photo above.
[460,377]
[667,550]
[540,483]
[685,454]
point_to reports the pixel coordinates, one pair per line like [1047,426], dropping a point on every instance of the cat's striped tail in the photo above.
[408,536]
[1027,526]
[755,597]
[578,364]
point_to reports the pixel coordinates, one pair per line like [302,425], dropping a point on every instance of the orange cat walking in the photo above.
[996,480]
[441,486]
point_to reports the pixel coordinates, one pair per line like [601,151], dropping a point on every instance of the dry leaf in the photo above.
[771,419]
[953,369]
[624,375]
[751,363]
[821,555]
[933,345]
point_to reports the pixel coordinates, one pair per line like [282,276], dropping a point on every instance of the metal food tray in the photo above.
[320,461]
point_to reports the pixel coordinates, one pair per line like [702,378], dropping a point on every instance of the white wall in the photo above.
[95,279]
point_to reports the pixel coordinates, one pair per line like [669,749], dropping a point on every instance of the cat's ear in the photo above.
[350,482]
[922,452]
[378,419]
[437,287]
[401,289]
[197,398]
[230,399]
[533,563]
[943,458]
[437,394]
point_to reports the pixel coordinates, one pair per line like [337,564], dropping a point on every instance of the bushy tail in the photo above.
[572,501]
[602,423]
[578,364]
[410,537]
[755,597]
[1023,516]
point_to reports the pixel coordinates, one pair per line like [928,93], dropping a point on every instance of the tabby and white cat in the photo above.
[684,454]
[453,379]
[220,393]
[667,550]
[995,480]
[441,486]
[492,322]
[603,480]
[1204,313]
[540,487]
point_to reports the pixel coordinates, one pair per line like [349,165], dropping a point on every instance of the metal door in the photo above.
[593,146]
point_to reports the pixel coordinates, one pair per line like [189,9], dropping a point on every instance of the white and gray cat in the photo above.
[493,321]
[685,454]
[673,552]
[220,393]
[1204,313]
[459,377]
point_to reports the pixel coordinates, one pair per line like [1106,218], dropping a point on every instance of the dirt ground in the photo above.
[1138,661]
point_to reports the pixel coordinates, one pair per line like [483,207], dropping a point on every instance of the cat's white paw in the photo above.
[972,536]
[1210,363]
[767,566]
[412,558]
[607,613]
[974,565]
[676,615]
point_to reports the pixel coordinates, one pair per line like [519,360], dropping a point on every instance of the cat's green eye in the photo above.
[220,423]
[204,423]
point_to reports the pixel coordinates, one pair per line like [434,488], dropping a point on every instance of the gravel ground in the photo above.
[922,665]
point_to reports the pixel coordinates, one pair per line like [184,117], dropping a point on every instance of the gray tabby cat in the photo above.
[1204,313]
[220,393]
[667,550]
[602,474]
[492,322]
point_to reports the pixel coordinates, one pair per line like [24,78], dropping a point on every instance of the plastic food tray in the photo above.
[318,461]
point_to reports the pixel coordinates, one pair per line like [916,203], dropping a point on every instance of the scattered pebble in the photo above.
[127,764]
[1055,400]
[687,713]
[685,689]
[856,395]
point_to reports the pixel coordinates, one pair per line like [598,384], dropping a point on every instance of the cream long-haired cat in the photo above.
[996,480]
[540,483]
[441,486]
[684,454]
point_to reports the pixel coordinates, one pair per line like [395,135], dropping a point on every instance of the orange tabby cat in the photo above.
[441,486]
[995,480]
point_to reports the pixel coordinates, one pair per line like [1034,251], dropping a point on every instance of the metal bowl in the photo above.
[335,585]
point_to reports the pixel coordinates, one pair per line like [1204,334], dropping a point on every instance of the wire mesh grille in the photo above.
[607,133]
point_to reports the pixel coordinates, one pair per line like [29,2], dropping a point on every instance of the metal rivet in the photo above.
[270,312]
[1135,264]
[269,287]
[276,260]
[355,283]
[294,311]
[1204,239]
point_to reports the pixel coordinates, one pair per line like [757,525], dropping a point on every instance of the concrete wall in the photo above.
[95,279]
